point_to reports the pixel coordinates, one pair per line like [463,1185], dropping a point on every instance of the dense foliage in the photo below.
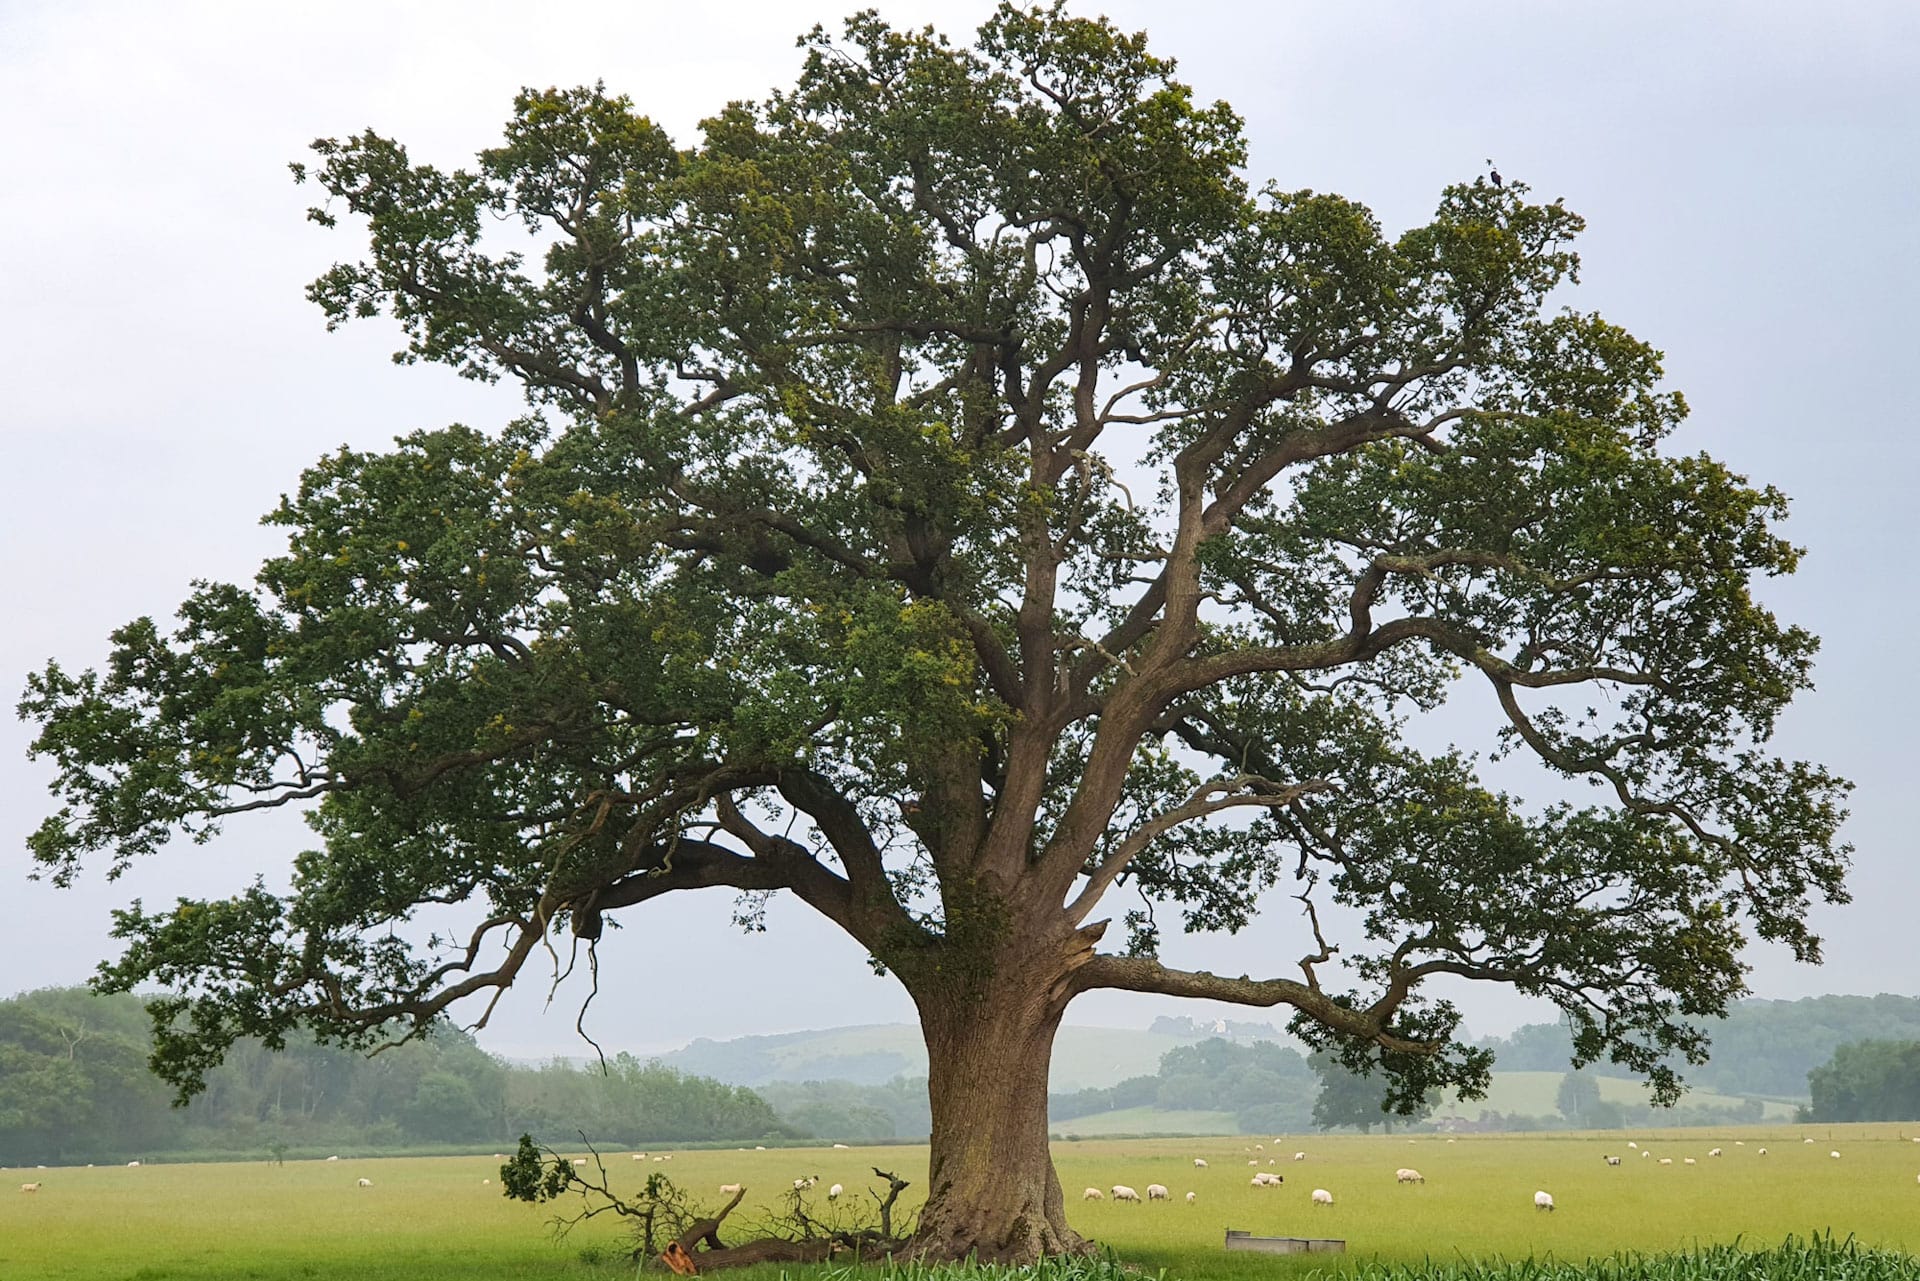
[75,1087]
[1868,1081]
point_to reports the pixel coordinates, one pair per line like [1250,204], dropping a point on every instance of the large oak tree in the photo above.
[951,496]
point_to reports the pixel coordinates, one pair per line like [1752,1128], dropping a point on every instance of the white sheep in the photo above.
[1259,1147]
[486,1183]
[333,1158]
[1322,1197]
[1644,1155]
[1189,1198]
[133,1165]
[1687,1160]
[1405,1175]
[1806,1140]
[1299,1156]
[1612,1160]
[841,1147]
[1666,1160]
[1121,1192]
[1253,1163]
[29,1187]
[366,1183]
[1834,1155]
[833,1193]
[728,1189]
[1741,1143]
[1093,1194]
[1543,1200]
[579,1160]
[1713,1151]
[1760,1152]
[1199,1163]
[641,1156]
[1158,1192]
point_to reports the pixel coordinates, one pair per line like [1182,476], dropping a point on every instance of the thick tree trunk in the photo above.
[992,1191]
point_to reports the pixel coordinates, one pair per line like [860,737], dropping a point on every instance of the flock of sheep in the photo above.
[1542,1200]
[1262,1179]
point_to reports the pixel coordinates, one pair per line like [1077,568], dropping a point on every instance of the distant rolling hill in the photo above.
[1084,1058]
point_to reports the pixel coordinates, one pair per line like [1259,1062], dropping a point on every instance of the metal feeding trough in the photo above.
[1284,1245]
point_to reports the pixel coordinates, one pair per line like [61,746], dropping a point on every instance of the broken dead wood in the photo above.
[699,1248]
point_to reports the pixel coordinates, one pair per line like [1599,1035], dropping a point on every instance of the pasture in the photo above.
[430,1218]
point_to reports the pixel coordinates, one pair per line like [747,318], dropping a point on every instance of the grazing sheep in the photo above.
[1632,1144]
[486,1183]
[1688,1161]
[728,1189]
[1666,1160]
[1322,1197]
[1299,1156]
[333,1158]
[1741,1143]
[133,1165]
[1834,1155]
[1543,1200]
[1760,1152]
[1405,1175]
[1253,1163]
[366,1183]
[1266,1180]
[833,1193]
[1713,1151]
[1199,1164]
[29,1187]
[1189,1198]
[1093,1194]
[841,1147]
[1259,1147]
[1612,1160]
[579,1160]
[1121,1192]
[1806,1140]
[1158,1192]
[1645,1155]
[641,1156]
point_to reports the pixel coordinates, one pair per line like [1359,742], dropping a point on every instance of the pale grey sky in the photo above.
[1747,170]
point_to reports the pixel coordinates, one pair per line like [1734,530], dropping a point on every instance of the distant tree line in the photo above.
[1267,1088]
[74,1087]
[1867,1081]
[1763,1048]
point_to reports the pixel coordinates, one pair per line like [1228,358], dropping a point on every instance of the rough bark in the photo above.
[992,1191]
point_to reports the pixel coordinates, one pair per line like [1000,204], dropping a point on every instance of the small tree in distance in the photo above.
[951,497]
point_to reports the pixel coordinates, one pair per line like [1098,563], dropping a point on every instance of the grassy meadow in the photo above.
[425,1219]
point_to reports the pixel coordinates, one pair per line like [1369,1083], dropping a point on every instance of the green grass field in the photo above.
[431,1218]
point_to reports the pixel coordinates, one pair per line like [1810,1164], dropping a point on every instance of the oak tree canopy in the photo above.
[951,493]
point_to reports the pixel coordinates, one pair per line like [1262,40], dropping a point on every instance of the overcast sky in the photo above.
[1747,170]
